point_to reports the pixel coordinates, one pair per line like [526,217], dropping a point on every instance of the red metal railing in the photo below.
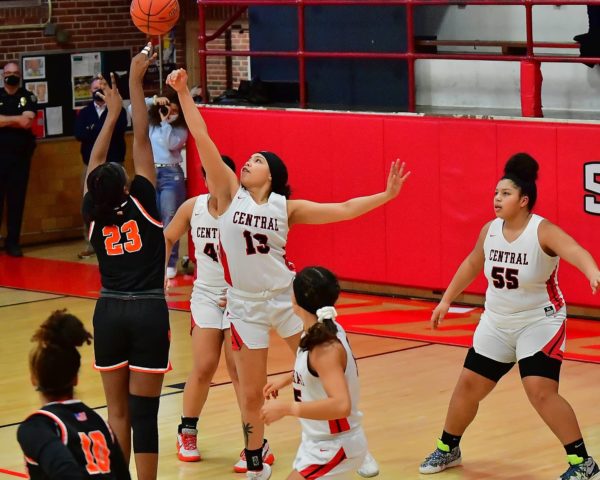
[411,55]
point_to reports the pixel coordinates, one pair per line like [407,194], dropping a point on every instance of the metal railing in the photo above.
[411,55]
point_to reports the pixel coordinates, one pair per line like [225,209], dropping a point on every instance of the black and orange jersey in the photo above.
[68,440]
[131,253]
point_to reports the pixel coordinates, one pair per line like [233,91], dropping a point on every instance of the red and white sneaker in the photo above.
[267,454]
[187,450]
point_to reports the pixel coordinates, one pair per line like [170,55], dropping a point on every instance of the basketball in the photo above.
[154,17]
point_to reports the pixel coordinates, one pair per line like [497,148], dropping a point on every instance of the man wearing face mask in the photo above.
[88,124]
[18,109]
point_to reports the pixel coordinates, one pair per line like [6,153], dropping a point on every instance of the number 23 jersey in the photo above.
[253,240]
[131,253]
[522,278]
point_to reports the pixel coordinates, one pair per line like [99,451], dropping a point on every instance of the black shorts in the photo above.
[132,332]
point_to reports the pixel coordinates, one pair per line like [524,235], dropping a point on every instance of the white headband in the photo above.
[326,313]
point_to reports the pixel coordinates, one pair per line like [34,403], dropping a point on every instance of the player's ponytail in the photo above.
[106,185]
[316,290]
[55,361]
[522,169]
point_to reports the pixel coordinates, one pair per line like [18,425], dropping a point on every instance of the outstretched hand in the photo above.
[111,94]
[177,80]
[141,62]
[396,178]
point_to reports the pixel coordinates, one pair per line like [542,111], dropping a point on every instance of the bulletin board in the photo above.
[60,80]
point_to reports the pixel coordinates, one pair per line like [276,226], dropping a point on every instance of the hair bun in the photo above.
[523,166]
[63,330]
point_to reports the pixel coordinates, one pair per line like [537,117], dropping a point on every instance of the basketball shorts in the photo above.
[133,333]
[204,305]
[338,458]
[509,345]
[252,316]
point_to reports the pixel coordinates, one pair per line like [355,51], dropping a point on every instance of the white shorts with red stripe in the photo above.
[204,305]
[337,458]
[253,315]
[508,345]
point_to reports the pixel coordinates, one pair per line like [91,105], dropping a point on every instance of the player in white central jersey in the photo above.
[210,328]
[325,382]
[255,217]
[524,319]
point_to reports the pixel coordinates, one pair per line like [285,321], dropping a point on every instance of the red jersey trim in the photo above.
[318,471]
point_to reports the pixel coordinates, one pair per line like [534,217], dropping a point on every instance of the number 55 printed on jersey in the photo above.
[112,238]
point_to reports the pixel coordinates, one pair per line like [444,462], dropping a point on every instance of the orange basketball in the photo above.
[154,17]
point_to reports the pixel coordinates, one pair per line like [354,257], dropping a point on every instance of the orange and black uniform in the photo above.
[68,441]
[131,319]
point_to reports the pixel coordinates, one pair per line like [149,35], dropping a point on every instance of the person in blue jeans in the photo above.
[168,135]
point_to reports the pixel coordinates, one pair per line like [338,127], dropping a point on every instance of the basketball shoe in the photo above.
[264,474]
[585,470]
[369,467]
[268,458]
[187,450]
[441,459]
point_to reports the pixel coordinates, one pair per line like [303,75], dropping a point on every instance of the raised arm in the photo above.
[306,212]
[466,273]
[114,104]
[222,177]
[143,160]
[555,241]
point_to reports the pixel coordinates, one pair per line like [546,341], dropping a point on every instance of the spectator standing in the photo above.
[18,109]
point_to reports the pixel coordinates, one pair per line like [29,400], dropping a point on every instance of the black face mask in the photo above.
[12,80]
[97,97]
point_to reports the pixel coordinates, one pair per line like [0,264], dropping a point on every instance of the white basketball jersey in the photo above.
[205,234]
[308,388]
[253,240]
[522,278]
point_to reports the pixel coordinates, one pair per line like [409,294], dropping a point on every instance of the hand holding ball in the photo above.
[154,17]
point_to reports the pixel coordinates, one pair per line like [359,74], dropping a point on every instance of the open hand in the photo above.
[396,178]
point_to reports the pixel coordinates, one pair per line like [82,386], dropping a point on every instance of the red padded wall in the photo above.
[421,237]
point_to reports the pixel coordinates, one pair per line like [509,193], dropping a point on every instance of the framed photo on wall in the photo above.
[34,68]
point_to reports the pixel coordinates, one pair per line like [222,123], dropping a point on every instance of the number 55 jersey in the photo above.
[522,278]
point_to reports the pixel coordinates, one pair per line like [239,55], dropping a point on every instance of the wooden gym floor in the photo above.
[405,389]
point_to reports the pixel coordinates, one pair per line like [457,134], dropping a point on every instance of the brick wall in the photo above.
[91,24]
[216,65]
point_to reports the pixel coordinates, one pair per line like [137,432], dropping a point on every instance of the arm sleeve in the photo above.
[31,105]
[41,443]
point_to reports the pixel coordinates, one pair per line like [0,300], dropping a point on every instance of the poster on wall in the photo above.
[34,68]
[39,89]
[84,67]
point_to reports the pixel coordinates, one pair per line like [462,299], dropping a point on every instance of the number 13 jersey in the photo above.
[522,278]
[253,241]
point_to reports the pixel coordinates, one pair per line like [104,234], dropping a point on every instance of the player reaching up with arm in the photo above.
[255,215]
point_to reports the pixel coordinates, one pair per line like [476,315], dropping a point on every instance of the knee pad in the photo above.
[540,365]
[143,412]
[486,367]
